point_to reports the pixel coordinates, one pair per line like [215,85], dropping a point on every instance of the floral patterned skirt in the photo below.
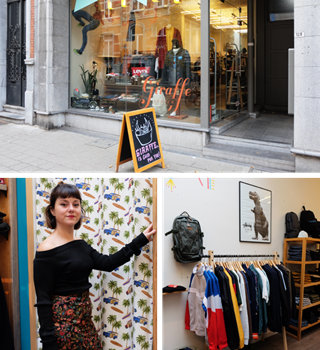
[72,317]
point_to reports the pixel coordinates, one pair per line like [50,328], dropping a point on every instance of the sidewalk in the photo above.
[29,149]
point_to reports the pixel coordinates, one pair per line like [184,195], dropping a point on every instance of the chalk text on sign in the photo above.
[143,153]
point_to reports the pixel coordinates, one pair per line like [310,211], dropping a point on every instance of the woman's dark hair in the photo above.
[62,190]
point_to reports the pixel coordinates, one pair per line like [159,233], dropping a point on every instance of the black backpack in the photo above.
[308,222]
[292,225]
[187,239]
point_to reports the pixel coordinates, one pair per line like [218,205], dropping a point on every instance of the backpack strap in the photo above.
[171,231]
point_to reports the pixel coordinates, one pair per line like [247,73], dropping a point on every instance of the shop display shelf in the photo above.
[308,306]
[183,291]
[306,285]
[299,262]
[306,327]
[303,264]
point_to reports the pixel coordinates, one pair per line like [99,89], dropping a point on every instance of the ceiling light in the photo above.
[228,27]
[241,30]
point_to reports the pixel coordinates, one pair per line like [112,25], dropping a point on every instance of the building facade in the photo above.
[204,66]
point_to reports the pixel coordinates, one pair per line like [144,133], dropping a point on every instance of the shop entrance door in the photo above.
[279,39]
[228,57]
[16,53]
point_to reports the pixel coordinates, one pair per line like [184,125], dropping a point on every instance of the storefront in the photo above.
[138,54]
[115,211]
[187,59]
[228,57]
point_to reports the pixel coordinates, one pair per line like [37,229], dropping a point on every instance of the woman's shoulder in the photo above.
[52,245]
[47,244]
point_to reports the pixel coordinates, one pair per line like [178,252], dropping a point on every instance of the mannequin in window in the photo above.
[177,65]
[164,44]
[94,22]
[93,77]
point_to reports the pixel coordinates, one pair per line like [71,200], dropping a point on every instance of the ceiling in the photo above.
[222,15]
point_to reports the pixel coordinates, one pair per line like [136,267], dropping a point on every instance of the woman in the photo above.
[61,269]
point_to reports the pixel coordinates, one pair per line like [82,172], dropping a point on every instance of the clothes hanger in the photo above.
[240,266]
[199,265]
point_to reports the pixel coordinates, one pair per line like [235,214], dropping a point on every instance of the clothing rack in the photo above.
[275,255]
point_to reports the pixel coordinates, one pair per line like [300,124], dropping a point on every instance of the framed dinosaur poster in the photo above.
[255,213]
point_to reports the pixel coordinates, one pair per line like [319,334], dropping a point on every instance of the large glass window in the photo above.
[281,10]
[228,57]
[132,54]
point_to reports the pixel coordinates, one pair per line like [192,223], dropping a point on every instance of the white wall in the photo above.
[218,213]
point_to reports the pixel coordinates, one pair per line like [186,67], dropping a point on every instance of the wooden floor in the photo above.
[310,341]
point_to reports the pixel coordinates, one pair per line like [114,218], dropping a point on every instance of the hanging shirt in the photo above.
[236,311]
[263,319]
[246,285]
[244,311]
[273,310]
[187,313]
[216,331]
[253,299]
[267,285]
[169,37]
[195,298]
[228,310]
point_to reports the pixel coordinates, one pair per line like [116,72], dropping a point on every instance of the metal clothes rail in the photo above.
[274,256]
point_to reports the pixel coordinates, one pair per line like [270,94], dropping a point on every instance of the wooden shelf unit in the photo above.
[180,291]
[303,263]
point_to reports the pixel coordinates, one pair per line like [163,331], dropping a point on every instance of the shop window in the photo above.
[126,55]
[281,10]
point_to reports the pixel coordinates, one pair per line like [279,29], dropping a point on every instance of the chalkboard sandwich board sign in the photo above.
[139,140]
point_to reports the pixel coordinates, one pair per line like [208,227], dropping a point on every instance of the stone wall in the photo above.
[307,86]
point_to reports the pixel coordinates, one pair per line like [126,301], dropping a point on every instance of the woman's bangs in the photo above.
[69,191]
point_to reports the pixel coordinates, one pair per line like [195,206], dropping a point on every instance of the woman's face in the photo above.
[67,211]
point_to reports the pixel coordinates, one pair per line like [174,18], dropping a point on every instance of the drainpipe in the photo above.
[251,112]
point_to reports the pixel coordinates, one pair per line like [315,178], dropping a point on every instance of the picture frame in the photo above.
[255,213]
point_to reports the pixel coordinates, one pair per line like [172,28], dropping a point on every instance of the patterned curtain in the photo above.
[116,211]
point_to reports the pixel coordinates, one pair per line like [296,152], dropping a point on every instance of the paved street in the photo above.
[29,149]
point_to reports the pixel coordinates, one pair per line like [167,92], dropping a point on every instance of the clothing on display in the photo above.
[4,227]
[295,323]
[139,64]
[6,337]
[311,316]
[314,297]
[93,24]
[159,103]
[64,271]
[163,45]
[297,277]
[295,253]
[177,65]
[235,304]
[315,255]
[173,288]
